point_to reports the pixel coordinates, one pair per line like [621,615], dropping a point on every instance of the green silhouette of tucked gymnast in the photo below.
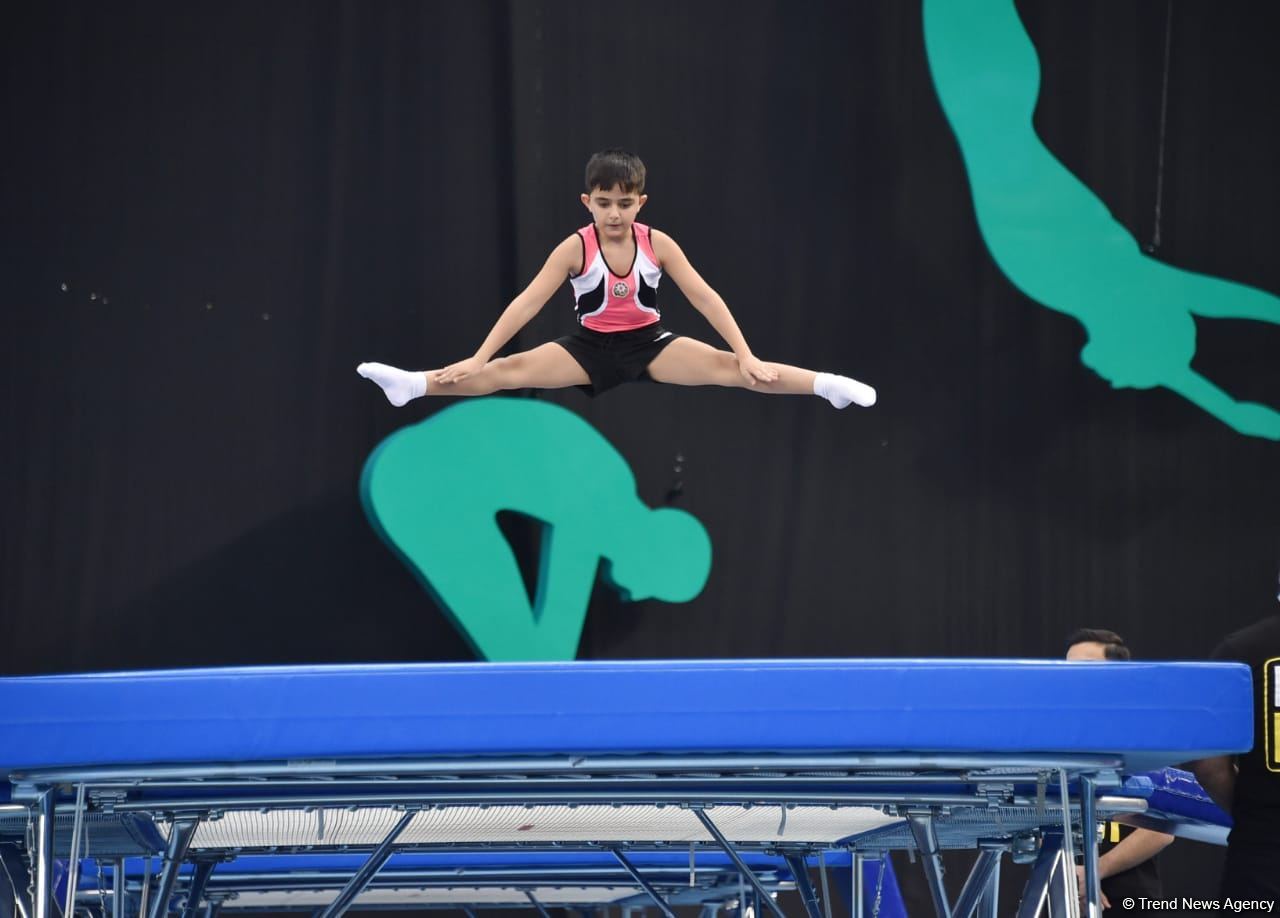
[433,492]
[1055,240]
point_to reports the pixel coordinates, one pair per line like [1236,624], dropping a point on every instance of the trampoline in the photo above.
[470,881]
[229,778]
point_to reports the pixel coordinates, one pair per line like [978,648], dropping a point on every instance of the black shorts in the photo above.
[612,358]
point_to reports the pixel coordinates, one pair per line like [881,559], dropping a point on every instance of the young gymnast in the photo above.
[619,337]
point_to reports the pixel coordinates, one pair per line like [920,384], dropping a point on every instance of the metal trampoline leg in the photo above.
[1061,898]
[1068,847]
[989,904]
[1037,888]
[43,855]
[542,909]
[926,839]
[800,872]
[743,870]
[859,891]
[73,862]
[144,896]
[199,880]
[14,880]
[1089,827]
[978,883]
[644,884]
[826,887]
[179,840]
[117,888]
[364,876]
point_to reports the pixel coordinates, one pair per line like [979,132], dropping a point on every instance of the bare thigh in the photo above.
[548,366]
[689,362]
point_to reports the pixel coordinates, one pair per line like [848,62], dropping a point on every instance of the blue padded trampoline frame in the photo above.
[691,734]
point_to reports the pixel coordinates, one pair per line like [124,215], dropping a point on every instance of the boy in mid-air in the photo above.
[619,337]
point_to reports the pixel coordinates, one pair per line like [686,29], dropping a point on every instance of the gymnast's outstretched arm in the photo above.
[688,362]
[704,299]
[560,264]
[547,367]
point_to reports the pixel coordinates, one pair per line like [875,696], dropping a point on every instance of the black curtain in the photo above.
[212,213]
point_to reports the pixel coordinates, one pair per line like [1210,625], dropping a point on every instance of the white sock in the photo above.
[399,386]
[841,390]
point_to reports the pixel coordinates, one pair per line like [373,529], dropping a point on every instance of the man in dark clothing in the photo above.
[1127,865]
[1248,786]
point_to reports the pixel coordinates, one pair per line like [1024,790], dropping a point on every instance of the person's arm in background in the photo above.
[1217,775]
[1138,846]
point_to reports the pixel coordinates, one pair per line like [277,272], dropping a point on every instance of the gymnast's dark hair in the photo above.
[615,167]
[1113,646]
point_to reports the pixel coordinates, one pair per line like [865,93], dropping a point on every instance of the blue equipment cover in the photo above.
[1176,793]
[1152,714]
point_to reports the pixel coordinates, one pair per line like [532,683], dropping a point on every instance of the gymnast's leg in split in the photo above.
[548,366]
[688,362]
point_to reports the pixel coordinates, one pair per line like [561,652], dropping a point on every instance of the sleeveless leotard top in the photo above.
[608,302]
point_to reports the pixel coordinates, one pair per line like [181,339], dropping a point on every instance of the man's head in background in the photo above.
[1096,644]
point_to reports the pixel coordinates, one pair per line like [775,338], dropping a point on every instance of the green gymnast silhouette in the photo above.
[433,492]
[1055,240]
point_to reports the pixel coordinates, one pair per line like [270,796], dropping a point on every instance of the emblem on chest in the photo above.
[620,289]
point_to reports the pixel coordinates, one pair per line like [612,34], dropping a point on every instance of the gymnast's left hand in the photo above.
[456,372]
[754,370]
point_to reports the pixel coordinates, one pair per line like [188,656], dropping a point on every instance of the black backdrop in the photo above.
[212,213]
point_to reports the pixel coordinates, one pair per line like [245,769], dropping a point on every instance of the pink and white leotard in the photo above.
[608,302]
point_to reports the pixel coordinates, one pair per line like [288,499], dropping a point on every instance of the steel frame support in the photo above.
[364,876]
[179,841]
[1089,829]
[16,879]
[978,883]
[744,871]
[117,888]
[1068,844]
[800,873]
[1037,888]
[926,838]
[199,880]
[859,891]
[644,884]
[542,909]
[43,867]
[989,904]
[1062,899]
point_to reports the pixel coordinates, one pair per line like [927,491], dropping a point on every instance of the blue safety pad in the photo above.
[1175,792]
[1153,714]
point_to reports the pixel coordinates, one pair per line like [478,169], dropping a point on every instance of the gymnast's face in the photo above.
[614,211]
[1087,650]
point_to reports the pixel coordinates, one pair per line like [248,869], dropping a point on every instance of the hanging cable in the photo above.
[1164,113]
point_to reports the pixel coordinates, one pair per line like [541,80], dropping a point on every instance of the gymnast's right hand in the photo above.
[456,372]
